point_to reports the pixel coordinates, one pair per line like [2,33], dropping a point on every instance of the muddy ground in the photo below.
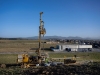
[83,69]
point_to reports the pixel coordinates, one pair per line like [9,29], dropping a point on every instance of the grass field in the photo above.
[21,45]
[82,56]
[17,46]
[27,45]
[8,58]
[12,58]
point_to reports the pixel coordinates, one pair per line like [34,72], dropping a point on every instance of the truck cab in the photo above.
[58,48]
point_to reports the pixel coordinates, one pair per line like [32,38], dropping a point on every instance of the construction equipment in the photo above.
[26,59]
[42,31]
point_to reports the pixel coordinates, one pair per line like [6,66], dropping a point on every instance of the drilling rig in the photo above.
[42,32]
[27,60]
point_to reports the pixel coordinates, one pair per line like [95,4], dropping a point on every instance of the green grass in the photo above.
[8,58]
[83,55]
[12,58]
[95,56]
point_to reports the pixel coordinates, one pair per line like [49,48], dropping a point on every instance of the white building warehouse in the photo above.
[73,48]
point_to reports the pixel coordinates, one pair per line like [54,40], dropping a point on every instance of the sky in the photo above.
[20,18]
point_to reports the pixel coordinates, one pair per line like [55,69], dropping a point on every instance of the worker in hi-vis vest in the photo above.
[46,60]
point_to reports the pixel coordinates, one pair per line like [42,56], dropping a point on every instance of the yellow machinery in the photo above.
[25,59]
[42,31]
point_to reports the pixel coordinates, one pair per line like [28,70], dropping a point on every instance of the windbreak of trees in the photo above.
[13,39]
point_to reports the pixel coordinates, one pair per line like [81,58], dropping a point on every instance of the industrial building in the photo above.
[73,48]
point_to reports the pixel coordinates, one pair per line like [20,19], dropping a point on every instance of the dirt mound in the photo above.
[65,70]
[87,69]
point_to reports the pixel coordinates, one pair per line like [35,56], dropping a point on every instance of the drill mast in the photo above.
[42,31]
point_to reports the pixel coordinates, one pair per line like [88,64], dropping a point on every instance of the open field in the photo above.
[12,58]
[8,58]
[21,45]
[81,56]
[86,69]
[18,46]
[11,48]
